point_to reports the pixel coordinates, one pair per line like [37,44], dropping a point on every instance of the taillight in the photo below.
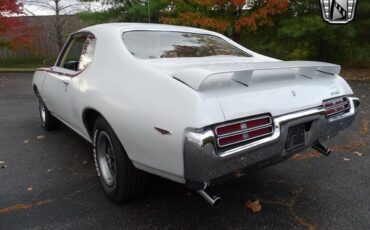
[336,106]
[245,130]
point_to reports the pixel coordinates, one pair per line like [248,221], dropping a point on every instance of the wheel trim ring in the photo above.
[106,165]
[43,113]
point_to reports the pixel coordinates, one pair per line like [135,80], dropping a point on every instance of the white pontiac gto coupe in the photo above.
[186,104]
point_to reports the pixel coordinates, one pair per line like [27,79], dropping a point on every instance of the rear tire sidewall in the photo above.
[115,192]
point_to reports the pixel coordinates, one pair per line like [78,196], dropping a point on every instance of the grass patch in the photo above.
[21,63]
[17,70]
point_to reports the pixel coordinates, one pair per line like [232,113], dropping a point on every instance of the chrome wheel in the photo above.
[48,121]
[105,155]
[43,112]
[119,178]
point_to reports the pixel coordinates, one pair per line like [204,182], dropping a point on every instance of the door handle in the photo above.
[65,82]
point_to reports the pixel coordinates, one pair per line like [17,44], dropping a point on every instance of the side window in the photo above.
[79,53]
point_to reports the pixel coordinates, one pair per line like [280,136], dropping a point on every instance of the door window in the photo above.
[79,53]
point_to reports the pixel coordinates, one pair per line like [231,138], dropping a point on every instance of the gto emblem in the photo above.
[338,11]
[294,93]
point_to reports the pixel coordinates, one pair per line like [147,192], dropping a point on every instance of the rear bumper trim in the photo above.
[204,162]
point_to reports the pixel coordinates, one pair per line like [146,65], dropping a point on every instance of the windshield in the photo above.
[163,44]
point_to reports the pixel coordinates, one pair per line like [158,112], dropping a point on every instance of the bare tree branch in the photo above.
[59,9]
[74,5]
[28,11]
[40,4]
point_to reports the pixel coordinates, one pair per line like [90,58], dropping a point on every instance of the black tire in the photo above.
[48,121]
[120,180]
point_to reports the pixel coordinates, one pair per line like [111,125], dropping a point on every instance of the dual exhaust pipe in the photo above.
[322,149]
[212,200]
[215,201]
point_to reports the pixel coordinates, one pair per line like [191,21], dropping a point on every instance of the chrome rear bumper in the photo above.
[204,162]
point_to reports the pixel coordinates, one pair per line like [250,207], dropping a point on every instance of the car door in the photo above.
[75,57]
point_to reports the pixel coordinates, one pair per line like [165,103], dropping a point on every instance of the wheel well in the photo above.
[89,117]
[36,91]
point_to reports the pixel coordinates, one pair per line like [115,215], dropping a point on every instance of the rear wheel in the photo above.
[119,178]
[48,121]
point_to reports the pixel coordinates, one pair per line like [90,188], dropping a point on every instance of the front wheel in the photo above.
[48,121]
[119,178]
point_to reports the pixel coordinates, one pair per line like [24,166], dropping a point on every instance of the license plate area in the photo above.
[296,138]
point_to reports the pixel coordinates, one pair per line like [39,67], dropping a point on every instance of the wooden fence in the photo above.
[42,37]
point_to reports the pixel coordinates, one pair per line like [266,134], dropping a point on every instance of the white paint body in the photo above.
[136,95]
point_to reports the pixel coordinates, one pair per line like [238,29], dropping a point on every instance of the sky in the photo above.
[73,6]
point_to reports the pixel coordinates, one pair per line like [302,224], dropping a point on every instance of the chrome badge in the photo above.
[338,11]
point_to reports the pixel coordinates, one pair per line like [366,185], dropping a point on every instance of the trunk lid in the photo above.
[250,88]
[275,98]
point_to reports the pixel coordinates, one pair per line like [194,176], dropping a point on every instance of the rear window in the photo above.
[163,44]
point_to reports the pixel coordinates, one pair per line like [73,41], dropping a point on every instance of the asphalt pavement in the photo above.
[48,181]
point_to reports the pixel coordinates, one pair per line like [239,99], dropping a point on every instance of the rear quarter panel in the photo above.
[134,99]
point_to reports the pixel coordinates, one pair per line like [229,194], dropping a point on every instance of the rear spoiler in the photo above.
[195,77]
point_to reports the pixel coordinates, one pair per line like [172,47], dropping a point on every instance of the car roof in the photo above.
[142,26]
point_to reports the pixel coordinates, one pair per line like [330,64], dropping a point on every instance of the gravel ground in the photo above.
[48,181]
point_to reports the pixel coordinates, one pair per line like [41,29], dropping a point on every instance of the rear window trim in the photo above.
[248,55]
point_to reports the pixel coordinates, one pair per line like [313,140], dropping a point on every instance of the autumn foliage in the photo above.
[262,15]
[225,16]
[283,29]
[13,30]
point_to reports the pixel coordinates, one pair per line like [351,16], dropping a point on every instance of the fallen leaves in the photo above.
[3,164]
[239,174]
[359,154]
[19,207]
[351,146]
[307,155]
[302,222]
[40,137]
[255,206]
[364,128]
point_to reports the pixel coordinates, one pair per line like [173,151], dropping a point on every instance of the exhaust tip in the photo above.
[322,149]
[356,102]
[214,201]
[217,202]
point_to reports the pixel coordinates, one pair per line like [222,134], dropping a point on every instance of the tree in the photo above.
[301,33]
[285,29]
[126,11]
[12,29]
[59,8]
[231,17]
